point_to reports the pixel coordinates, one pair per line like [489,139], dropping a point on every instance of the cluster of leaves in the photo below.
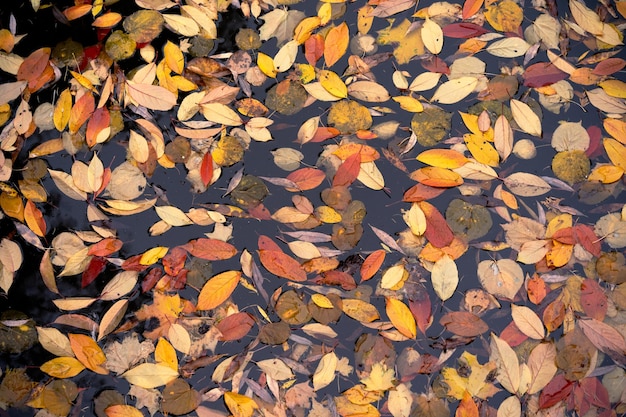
[558,281]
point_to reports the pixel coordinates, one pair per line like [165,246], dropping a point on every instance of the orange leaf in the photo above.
[336,43]
[348,171]
[98,126]
[537,289]
[471,7]
[437,177]
[74,12]
[282,265]
[368,154]
[210,249]
[105,247]
[401,317]
[82,111]
[372,264]
[88,352]
[218,289]
[437,232]
[467,407]
[107,20]
[421,192]
[306,179]
[34,219]
[235,326]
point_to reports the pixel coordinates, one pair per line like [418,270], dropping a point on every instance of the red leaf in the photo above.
[235,326]
[463,30]
[173,282]
[437,232]
[557,390]
[210,249]
[587,238]
[105,247]
[421,308]
[542,74]
[593,299]
[565,236]
[33,67]
[595,392]
[174,261]
[343,279]
[595,142]
[314,48]
[512,335]
[348,171]
[609,66]
[435,64]
[206,169]
[132,264]
[306,179]
[464,323]
[152,277]
[260,212]
[421,192]
[95,267]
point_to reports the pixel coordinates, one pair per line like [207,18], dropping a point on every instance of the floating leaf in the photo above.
[217,290]
[150,375]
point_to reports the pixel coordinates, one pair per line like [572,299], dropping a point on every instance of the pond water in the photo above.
[475,250]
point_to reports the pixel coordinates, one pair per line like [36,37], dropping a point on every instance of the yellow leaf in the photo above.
[559,255]
[62,110]
[174,57]
[360,310]
[327,214]
[616,128]
[526,119]
[606,174]
[286,56]
[152,255]
[179,338]
[432,36]
[410,104]
[325,371]
[138,147]
[164,354]
[88,352]
[505,16]
[218,289]
[443,158]
[240,405]
[416,219]
[266,65]
[336,43]
[394,277]
[322,301]
[34,219]
[333,83]
[506,361]
[616,152]
[112,318]
[365,19]
[150,375]
[437,177]
[63,367]
[481,149]
[380,378]
[401,317]
[304,29]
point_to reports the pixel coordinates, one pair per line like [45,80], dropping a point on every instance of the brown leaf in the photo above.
[464,323]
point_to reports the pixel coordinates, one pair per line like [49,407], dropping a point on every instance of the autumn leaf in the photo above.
[217,290]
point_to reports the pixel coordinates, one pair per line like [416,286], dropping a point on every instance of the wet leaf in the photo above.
[150,375]
[217,290]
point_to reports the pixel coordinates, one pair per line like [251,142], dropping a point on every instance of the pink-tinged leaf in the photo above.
[435,64]
[513,335]
[463,30]
[609,66]
[587,238]
[150,280]
[595,142]
[105,247]
[282,265]
[603,336]
[593,393]
[174,261]
[266,243]
[437,232]
[95,268]
[206,169]
[421,192]
[542,74]
[235,326]
[421,308]
[556,391]
[306,179]
[593,299]
[210,249]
